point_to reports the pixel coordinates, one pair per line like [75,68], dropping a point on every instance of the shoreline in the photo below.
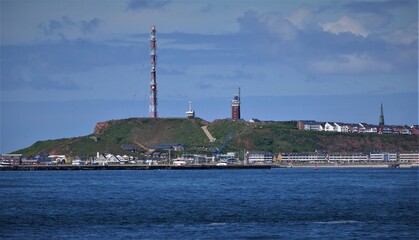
[192,167]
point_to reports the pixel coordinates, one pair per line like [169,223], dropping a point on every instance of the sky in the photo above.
[66,65]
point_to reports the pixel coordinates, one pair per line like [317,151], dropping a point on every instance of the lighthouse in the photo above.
[235,107]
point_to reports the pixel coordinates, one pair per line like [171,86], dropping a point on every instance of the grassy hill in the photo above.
[266,136]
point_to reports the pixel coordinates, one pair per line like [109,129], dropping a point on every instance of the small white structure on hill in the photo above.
[190,113]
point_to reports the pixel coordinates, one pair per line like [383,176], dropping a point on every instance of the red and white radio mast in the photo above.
[153,83]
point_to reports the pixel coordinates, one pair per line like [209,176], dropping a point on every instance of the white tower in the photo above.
[190,113]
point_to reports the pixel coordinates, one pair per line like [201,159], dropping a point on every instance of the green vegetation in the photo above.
[265,136]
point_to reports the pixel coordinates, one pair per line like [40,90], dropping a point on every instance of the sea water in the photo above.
[210,204]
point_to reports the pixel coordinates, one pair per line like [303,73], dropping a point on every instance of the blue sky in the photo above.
[66,65]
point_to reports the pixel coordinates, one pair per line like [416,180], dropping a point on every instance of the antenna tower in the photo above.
[153,83]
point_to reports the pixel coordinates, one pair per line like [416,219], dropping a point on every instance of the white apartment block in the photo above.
[303,157]
[348,157]
[383,157]
[259,157]
[409,157]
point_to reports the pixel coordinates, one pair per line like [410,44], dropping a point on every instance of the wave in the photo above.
[216,224]
[338,222]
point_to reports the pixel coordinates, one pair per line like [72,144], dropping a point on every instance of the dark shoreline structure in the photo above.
[126,167]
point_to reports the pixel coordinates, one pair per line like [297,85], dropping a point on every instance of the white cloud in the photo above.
[350,64]
[345,24]
[66,25]
[279,26]
[301,17]
[406,35]
[273,23]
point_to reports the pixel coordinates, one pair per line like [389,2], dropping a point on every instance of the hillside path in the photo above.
[210,137]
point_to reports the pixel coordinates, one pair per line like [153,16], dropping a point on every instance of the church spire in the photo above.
[381,121]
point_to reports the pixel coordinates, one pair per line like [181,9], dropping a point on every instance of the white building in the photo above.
[259,157]
[78,162]
[341,127]
[347,157]
[121,159]
[329,127]
[353,128]
[367,128]
[412,157]
[10,159]
[58,159]
[105,160]
[383,157]
[111,159]
[226,156]
[194,158]
[305,157]
[310,125]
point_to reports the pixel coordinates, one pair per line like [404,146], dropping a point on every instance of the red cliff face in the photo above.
[100,127]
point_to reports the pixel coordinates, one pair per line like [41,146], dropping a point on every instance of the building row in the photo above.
[45,159]
[320,157]
[311,125]
[253,157]
[323,157]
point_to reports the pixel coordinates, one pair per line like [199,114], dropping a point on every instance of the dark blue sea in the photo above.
[210,204]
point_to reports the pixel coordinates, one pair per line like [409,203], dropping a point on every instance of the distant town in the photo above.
[176,154]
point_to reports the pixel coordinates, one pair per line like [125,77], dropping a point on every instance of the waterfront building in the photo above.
[111,159]
[259,157]
[383,157]
[26,161]
[78,162]
[229,155]
[105,160]
[195,158]
[303,157]
[58,159]
[347,157]
[412,157]
[10,159]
